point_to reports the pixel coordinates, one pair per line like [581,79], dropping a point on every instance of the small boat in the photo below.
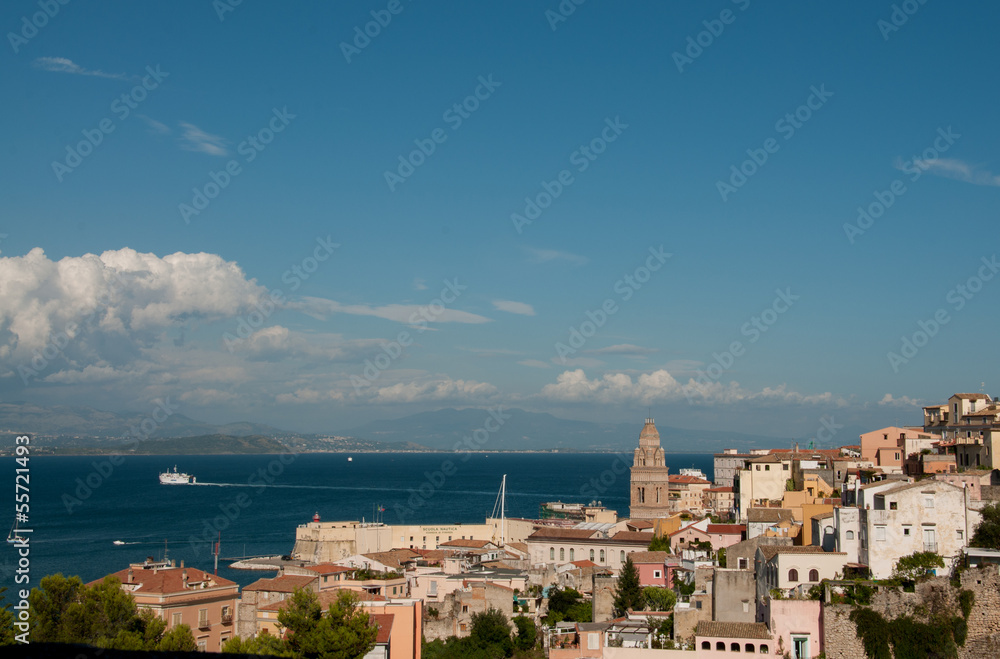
[14,537]
[118,542]
[350,459]
[174,478]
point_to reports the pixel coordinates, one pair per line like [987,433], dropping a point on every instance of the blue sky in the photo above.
[910,101]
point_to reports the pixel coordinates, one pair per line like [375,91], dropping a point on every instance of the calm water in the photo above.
[264,510]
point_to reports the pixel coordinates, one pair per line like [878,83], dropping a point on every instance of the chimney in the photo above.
[184,579]
[129,574]
[182,562]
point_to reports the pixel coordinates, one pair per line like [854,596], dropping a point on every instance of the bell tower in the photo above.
[650,480]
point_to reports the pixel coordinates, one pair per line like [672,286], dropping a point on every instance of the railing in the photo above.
[227,618]
[203,623]
[930,546]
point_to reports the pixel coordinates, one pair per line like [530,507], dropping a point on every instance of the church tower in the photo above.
[650,482]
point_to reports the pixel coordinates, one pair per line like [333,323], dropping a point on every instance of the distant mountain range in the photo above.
[85,429]
[526,431]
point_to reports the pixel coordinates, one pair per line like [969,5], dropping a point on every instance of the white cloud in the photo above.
[106,310]
[195,139]
[958,170]
[419,285]
[410,314]
[903,401]
[277,343]
[536,255]
[63,65]
[155,127]
[577,362]
[661,387]
[510,306]
[433,390]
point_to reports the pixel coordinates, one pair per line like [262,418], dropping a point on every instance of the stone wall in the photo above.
[932,596]
[604,597]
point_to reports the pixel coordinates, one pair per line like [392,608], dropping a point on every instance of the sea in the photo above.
[80,505]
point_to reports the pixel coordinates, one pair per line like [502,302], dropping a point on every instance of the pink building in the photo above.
[723,639]
[796,625]
[652,568]
[726,535]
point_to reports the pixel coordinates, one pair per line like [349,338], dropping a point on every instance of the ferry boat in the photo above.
[173,478]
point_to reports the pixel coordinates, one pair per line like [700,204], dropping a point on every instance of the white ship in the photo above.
[174,478]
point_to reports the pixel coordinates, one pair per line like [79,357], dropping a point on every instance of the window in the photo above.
[748,647]
[202,646]
[621,556]
[591,555]
[785,467]
[892,505]
[697,604]
[602,555]
[959,532]
[465,608]
[766,468]
[572,554]
[202,618]
[764,649]
[793,575]
[814,575]
[906,530]
[929,502]
[897,455]
[176,620]
[463,627]
[659,573]
[850,535]
[879,534]
[552,553]
[734,647]
[593,641]
[719,645]
[758,469]
[705,645]
[746,606]
[742,563]
[562,553]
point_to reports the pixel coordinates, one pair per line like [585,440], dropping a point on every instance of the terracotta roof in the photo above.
[970,396]
[639,537]
[384,623]
[657,557]
[690,480]
[499,565]
[433,555]
[640,523]
[519,546]
[754,630]
[770,457]
[728,529]
[394,558]
[929,483]
[473,544]
[768,515]
[327,568]
[555,533]
[719,489]
[824,515]
[167,580]
[770,551]
[326,598]
[584,563]
[286,583]
[986,411]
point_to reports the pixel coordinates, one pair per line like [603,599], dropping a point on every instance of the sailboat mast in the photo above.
[503,511]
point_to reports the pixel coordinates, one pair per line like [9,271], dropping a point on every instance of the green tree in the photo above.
[917,566]
[568,604]
[659,599]
[345,632]
[628,593]
[264,644]
[660,543]
[491,631]
[526,633]
[6,621]
[987,533]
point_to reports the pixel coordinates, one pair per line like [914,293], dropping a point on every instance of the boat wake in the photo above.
[347,488]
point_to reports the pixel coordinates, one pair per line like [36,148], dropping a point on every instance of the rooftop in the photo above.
[769,515]
[770,551]
[167,580]
[728,529]
[657,557]
[287,583]
[754,630]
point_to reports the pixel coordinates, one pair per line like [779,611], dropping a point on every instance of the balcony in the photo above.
[930,546]
[227,618]
[203,623]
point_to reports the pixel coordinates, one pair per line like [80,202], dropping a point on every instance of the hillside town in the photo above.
[773,557]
